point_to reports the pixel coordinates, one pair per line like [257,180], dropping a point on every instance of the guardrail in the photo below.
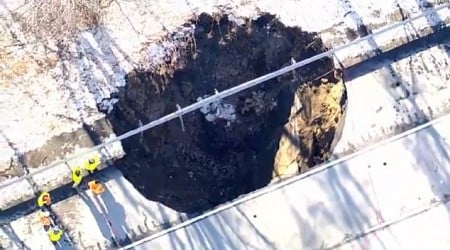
[228,92]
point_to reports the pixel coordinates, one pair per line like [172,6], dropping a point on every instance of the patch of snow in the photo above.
[351,18]
[218,110]
[112,150]
[319,15]
[48,103]
[106,104]
[15,194]
[5,156]
[401,33]
[156,55]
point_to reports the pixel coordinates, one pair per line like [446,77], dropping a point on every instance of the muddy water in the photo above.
[211,163]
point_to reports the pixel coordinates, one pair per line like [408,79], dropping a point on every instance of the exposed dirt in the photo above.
[314,123]
[213,162]
[56,148]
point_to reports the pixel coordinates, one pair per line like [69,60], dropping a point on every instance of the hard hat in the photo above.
[56,228]
[46,213]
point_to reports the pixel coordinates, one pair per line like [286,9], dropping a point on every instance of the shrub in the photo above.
[60,19]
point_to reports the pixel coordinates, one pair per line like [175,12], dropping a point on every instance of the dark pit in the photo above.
[214,162]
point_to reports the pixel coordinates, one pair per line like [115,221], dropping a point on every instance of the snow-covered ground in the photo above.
[86,218]
[391,196]
[43,95]
[377,108]
[392,38]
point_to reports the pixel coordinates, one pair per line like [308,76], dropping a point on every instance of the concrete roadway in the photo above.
[392,196]
[92,222]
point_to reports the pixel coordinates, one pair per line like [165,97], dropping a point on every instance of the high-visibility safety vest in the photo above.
[44,218]
[76,178]
[92,163]
[44,199]
[55,235]
[96,187]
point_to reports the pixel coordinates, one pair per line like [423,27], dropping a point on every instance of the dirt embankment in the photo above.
[288,121]
[315,121]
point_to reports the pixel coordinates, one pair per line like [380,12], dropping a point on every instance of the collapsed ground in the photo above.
[278,128]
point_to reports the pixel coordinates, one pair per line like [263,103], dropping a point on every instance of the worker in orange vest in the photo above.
[44,218]
[96,187]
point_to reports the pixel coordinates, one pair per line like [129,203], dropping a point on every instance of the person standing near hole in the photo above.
[77,176]
[45,219]
[91,165]
[44,200]
[55,234]
[96,187]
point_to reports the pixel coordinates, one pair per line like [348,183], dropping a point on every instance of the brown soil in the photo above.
[57,148]
[211,163]
[314,122]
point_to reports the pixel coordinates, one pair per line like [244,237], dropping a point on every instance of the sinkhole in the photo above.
[277,129]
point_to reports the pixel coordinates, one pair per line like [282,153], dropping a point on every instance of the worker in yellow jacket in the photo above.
[55,234]
[77,176]
[92,163]
[44,200]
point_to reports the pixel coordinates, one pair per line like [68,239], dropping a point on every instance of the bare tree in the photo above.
[60,19]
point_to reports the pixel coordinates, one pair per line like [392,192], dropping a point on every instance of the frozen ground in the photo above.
[392,196]
[43,94]
[85,217]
